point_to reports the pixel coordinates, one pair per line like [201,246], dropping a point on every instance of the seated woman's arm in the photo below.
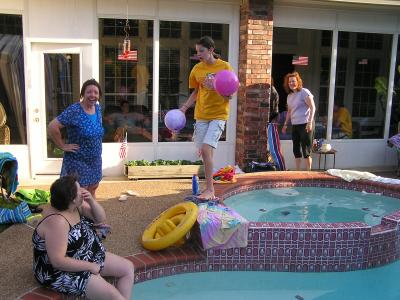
[91,209]
[56,240]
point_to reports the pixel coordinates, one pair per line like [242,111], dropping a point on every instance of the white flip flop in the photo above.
[123,198]
[132,193]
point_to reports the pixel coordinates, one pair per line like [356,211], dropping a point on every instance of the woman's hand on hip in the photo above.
[70,148]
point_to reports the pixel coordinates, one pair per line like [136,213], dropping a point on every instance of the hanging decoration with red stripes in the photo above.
[124,51]
[299,60]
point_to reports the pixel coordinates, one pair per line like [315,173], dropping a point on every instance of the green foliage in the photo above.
[162,162]
[381,87]
[381,84]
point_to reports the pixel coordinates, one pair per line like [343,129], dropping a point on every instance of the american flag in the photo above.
[123,150]
[128,55]
[363,61]
[300,60]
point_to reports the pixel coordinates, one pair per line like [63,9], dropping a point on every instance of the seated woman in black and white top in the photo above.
[68,255]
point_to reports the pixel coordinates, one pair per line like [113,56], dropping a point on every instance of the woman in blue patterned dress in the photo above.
[83,147]
[68,255]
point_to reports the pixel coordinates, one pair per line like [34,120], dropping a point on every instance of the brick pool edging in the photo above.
[292,247]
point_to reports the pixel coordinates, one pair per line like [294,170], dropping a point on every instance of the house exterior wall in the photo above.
[250,53]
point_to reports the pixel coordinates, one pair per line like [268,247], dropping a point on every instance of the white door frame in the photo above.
[36,108]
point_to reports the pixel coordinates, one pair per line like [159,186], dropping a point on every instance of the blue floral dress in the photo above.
[86,131]
[83,244]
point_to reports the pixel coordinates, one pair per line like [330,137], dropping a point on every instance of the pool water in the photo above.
[378,283]
[312,204]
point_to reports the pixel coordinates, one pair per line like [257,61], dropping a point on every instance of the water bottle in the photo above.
[195,184]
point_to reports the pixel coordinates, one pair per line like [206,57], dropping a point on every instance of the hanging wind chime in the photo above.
[125,52]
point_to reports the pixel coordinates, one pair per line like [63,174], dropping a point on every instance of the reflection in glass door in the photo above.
[61,89]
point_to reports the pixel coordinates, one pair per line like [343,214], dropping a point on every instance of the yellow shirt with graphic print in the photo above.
[209,104]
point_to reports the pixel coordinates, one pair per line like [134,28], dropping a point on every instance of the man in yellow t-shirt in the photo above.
[342,124]
[211,110]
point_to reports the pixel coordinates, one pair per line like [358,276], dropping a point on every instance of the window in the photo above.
[395,115]
[116,27]
[61,90]
[363,59]
[197,30]
[369,41]
[315,47]
[170,29]
[127,84]
[364,100]
[359,111]
[323,90]
[12,83]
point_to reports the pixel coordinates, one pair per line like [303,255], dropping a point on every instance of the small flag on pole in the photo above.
[124,147]
[300,60]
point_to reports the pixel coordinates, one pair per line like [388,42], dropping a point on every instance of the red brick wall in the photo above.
[255,61]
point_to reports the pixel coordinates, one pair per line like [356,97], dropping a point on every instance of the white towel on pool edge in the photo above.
[350,175]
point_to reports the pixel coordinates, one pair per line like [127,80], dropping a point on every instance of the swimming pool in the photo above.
[312,204]
[276,247]
[378,283]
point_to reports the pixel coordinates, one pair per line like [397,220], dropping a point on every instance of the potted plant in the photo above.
[160,168]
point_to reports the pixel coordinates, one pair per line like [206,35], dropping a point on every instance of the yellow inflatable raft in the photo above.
[170,227]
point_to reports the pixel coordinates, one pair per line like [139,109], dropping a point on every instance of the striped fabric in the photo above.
[275,147]
[17,214]
[8,174]
[124,147]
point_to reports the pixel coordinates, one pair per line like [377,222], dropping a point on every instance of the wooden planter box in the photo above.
[173,171]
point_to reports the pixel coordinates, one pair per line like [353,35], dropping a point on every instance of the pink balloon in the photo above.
[226,83]
[175,120]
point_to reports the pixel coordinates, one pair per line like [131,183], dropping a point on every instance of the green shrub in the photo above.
[162,162]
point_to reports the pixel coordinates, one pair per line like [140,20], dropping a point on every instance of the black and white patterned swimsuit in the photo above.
[83,244]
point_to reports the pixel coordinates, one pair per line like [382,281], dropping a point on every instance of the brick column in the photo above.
[255,60]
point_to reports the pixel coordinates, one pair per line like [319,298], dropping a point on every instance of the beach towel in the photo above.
[274,144]
[11,211]
[14,212]
[8,174]
[221,227]
[33,197]
[350,175]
